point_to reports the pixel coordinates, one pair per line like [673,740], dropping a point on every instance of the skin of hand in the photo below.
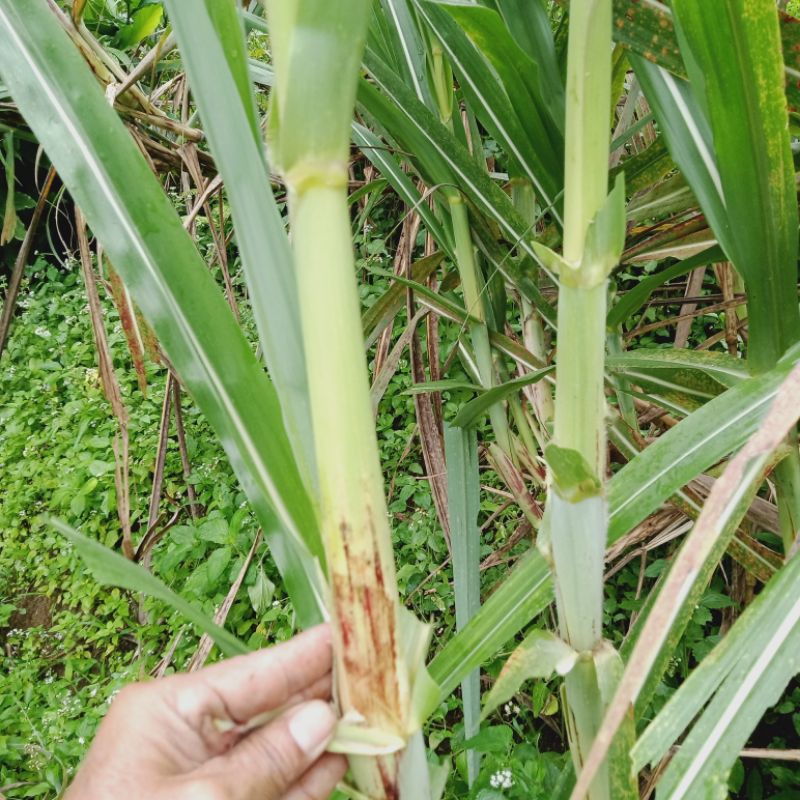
[160,740]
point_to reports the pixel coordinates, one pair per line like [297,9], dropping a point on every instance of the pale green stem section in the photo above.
[371,676]
[317,47]
[580,400]
[586,707]
[471,281]
[587,134]
[533,336]
[472,286]
[524,428]
[579,527]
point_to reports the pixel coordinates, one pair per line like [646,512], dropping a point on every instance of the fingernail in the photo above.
[311,726]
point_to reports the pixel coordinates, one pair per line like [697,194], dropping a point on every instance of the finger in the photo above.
[271,759]
[245,686]
[319,690]
[319,782]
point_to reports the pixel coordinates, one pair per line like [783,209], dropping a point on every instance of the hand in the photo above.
[163,740]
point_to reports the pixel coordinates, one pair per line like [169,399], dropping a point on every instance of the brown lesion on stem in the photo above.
[366,622]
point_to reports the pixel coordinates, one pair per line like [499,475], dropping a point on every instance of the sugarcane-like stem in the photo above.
[587,125]
[580,399]
[371,681]
[317,47]
[352,504]
[579,524]
[471,281]
[471,285]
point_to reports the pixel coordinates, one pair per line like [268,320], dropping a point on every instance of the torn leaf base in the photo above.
[602,248]
[540,655]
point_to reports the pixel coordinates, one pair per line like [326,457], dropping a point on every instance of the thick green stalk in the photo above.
[587,127]
[317,48]
[577,506]
[580,399]
[354,519]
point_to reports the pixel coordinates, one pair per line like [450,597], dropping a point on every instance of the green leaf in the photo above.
[572,475]
[644,172]
[689,139]
[494,739]
[261,592]
[529,24]
[725,370]
[408,46]
[376,151]
[540,655]
[214,54]
[214,530]
[605,238]
[751,673]
[553,261]
[463,505]
[741,102]
[647,30]
[502,86]
[678,378]
[721,426]
[143,23]
[381,313]
[522,594]
[470,413]
[440,157]
[659,198]
[112,569]
[633,300]
[128,211]
[763,627]
[217,563]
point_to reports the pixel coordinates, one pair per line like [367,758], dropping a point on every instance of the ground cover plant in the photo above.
[567,236]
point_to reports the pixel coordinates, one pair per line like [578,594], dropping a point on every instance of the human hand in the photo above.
[162,740]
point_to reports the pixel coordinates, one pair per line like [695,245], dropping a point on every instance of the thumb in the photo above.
[270,759]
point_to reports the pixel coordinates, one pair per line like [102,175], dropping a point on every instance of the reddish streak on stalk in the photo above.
[376,688]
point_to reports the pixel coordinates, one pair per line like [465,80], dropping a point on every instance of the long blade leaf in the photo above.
[129,212]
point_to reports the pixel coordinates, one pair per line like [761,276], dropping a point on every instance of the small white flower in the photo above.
[511,709]
[502,779]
